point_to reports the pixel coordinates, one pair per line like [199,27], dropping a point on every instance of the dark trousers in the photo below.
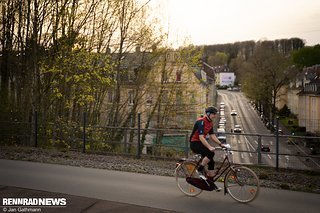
[198,148]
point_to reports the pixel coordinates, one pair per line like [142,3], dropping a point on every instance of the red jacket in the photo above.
[203,126]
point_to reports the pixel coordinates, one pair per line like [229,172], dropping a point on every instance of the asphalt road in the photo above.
[251,124]
[145,190]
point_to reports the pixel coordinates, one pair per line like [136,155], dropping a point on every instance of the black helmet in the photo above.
[211,109]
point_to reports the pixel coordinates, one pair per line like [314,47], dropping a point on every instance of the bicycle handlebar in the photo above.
[225,147]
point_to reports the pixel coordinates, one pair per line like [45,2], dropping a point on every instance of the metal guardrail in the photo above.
[286,151]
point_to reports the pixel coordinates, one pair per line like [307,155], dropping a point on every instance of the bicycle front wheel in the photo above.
[184,170]
[242,184]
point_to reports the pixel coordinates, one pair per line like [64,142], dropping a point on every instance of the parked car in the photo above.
[279,130]
[237,128]
[235,89]
[268,125]
[265,148]
[233,112]
[314,150]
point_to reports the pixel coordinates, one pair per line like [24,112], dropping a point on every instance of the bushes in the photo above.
[285,111]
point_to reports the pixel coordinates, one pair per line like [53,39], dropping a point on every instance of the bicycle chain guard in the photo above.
[201,184]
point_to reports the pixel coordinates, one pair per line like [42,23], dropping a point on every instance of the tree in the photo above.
[307,56]
[220,58]
[56,55]
[267,72]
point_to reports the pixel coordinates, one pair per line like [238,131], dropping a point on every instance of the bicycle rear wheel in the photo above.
[242,184]
[184,170]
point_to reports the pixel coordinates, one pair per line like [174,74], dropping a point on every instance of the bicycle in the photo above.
[240,182]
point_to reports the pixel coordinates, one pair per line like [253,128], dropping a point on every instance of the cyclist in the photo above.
[199,144]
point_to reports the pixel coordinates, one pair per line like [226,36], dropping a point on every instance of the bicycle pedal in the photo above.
[218,189]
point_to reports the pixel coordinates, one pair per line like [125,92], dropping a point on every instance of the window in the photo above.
[131,97]
[149,99]
[132,75]
[179,98]
[178,75]
[165,77]
[192,97]
[165,96]
[110,97]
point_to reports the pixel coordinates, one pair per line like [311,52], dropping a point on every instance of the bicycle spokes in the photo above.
[252,191]
[190,168]
[182,172]
[242,184]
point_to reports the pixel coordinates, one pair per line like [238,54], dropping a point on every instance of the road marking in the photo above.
[306,154]
[247,144]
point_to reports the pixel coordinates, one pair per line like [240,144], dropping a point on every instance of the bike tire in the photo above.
[184,170]
[242,184]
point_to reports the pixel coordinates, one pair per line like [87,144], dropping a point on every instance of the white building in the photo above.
[225,78]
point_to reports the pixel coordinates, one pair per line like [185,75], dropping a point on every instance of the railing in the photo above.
[286,151]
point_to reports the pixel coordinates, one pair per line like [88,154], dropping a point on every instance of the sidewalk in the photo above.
[74,203]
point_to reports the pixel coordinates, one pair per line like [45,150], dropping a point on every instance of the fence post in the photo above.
[84,132]
[139,139]
[277,143]
[259,150]
[186,150]
[125,141]
[36,128]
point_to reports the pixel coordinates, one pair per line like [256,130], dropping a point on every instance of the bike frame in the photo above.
[224,167]
[227,168]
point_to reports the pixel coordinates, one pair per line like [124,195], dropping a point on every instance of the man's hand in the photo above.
[226,146]
[212,148]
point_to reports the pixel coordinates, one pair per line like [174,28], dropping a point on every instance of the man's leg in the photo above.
[201,171]
[205,161]
[211,171]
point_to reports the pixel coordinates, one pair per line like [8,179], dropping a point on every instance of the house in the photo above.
[167,91]
[309,100]
[303,98]
[211,83]
[187,91]
[224,77]
[292,90]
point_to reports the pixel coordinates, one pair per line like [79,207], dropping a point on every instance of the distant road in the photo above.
[145,190]
[251,123]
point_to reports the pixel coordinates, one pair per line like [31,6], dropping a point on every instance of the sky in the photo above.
[205,22]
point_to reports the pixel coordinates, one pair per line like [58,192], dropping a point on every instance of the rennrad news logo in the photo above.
[34,201]
[31,204]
